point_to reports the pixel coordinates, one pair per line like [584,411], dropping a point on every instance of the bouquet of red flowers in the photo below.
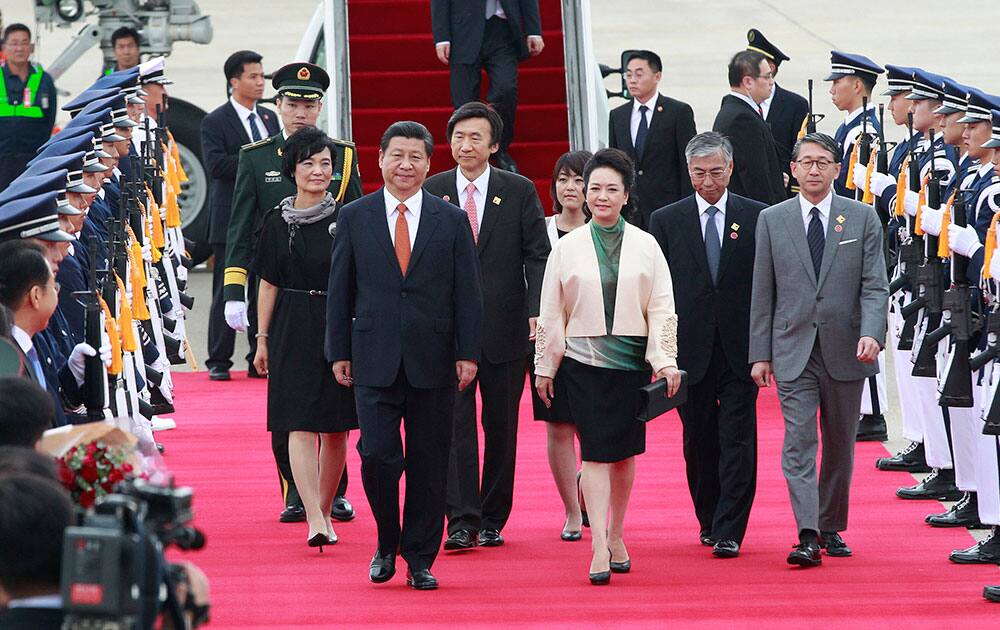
[90,471]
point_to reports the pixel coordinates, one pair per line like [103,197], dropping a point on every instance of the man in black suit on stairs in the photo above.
[509,227]
[653,130]
[708,241]
[757,172]
[237,122]
[493,35]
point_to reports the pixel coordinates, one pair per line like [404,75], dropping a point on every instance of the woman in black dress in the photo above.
[293,263]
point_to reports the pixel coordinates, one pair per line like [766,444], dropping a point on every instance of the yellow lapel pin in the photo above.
[496,201]
[735,227]
[840,218]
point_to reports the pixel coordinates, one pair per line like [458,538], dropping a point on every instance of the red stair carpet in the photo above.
[396,75]
[263,575]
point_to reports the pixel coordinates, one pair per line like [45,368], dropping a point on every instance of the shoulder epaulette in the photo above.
[344,143]
[259,143]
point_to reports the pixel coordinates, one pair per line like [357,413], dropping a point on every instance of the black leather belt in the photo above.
[313,292]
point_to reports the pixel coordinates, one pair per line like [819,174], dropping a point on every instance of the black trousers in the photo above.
[221,338]
[424,414]
[720,447]
[471,506]
[498,56]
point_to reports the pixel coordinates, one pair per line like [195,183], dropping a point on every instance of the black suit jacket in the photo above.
[785,117]
[378,319]
[222,136]
[513,247]
[662,172]
[463,22]
[31,619]
[702,307]
[756,171]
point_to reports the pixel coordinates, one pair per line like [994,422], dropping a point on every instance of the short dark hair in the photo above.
[745,63]
[407,129]
[36,513]
[125,31]
[475,109]
[15,27]
[615,159]
[24,460]
[235,63]
[650,57]
[22,266]
[302,145]
[26,412]
[573,163]
[869,82]
[823,140]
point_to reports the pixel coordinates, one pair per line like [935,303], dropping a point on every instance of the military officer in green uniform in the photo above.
[259,187]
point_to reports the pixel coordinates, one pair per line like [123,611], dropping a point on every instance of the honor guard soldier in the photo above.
[784,111]
[853,78]
[27,104]
[259,187]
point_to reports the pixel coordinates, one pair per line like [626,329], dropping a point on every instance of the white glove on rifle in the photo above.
[880,182]
[930,220]
[910,202]
[77,361]
[964,240]
[236,315]
[859,175]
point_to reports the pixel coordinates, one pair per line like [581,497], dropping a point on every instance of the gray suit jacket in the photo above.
[789,306]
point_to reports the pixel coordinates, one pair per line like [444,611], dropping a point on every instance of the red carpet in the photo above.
[395,75]
[263,575]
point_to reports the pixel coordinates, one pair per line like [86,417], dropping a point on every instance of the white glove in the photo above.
[236,315]
[910,202]
[964,240]
[880,182]
[859,175]
[78,358]
[930,220]
[147,252]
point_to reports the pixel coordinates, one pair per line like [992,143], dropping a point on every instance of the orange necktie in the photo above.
[402,239]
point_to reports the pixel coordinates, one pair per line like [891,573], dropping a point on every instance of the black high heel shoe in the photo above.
[601,578]
[320,539]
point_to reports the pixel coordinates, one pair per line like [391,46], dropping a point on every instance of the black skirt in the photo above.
[603,404]
[559,411]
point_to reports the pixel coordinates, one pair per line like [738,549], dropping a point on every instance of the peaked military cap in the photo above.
[126,81]
[30,185]
[81,142]
[758,43]
[103,117]
[980,104]
[119,111]
[899,78]
[96,131]
[152,71]
[954,97]
[88,96]
[72,162]
[302,80]
[849,64]
[32,217]
[994,140]
[926,86]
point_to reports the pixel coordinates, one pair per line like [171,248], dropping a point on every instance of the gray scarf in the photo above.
[303,216]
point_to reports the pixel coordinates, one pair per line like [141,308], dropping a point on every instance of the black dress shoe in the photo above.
[218,374]
[986,551]
[726,549]
[382,568]
[992,593]
[910,459]
[461,539]
[293,514]
[342,509]
[806,555]
[421,580]
[706,538]
[490,538]
[872,428]
[965,513]
[834,545]
[937,486]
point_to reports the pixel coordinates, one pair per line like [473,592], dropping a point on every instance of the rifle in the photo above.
[955,388]
[812,118]
[910,253]
[930,279]
[864,146]
[93,372]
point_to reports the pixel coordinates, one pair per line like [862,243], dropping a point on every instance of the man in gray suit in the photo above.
[817,323]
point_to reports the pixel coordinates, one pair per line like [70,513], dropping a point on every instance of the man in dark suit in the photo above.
[509,228]
[653,130]
[404,314]
[757,173]
[708,241]
[784,111]
[233,124]
[493,35]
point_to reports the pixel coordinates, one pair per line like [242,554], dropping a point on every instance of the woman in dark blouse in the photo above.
[293,262]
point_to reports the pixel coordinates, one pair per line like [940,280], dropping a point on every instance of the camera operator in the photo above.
[25,413]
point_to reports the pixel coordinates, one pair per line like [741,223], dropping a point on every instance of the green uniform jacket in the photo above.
[259,187]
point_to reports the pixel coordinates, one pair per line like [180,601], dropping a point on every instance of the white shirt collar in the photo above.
[413,204]
[481,182]
[241,111]
[746,99]
[39,601]
[649,104]
[704,205]
[823,206]
[985,168]
[22,338]
[850,117]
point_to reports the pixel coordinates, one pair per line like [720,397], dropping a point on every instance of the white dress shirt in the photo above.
[482,185]
[244,115]
[766,104]
[413,206]
[824,210]
[746,99]
[720,216]
[637,115]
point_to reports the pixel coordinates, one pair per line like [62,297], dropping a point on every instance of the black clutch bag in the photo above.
[654,401]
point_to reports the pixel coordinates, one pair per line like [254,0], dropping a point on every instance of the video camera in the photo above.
[114,575]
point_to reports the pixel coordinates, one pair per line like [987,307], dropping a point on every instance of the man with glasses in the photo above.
[708,241]
[817,325]
[756,170]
